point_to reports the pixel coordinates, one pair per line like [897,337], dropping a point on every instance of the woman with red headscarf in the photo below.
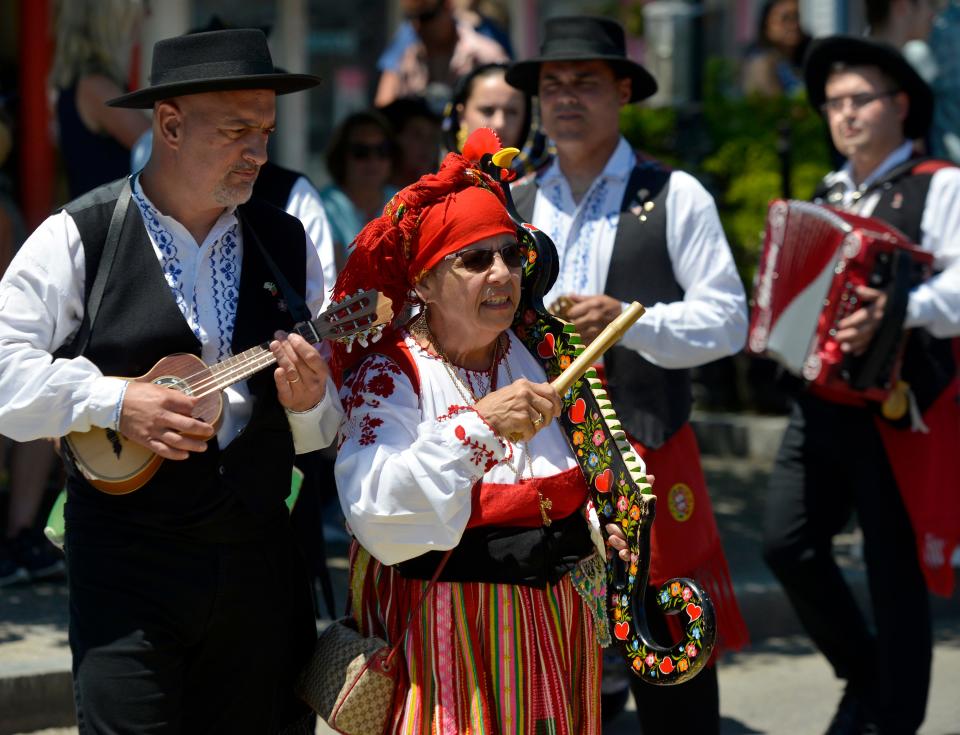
[450,444]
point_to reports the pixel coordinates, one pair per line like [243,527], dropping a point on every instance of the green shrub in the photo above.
[734,152]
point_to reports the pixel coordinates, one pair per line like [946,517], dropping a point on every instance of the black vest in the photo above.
[650,401]
[274,184]
[214,495]
[928,363]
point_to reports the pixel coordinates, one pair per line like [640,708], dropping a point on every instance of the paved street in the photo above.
[781,687]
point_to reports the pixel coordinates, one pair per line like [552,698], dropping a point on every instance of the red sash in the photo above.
[927,471]
[685,541]
[518,504]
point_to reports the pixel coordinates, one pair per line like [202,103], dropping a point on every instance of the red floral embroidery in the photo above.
[454,410]
[480,452]
[367,434]
[381,385]
[372,381]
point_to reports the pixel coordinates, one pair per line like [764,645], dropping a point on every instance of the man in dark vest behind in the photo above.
[839,456]
[627,229]
[189,607]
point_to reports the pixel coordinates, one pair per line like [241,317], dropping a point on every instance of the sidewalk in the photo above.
[35,687]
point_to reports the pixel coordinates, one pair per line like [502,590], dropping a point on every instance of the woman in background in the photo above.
[483,99]
[91,66]
[773,64]
[361,159]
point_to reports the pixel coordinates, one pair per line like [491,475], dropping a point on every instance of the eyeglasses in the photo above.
[836,104]
[363,151]
[479,261]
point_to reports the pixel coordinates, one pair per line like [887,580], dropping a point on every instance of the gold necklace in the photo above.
[421,328]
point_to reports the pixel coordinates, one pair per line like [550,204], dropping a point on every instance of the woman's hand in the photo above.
[617,539]
[520,410]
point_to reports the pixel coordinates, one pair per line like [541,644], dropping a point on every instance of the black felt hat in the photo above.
[583,38]
[825,53]
[218,61]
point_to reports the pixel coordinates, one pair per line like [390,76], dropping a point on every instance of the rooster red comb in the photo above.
[426,221]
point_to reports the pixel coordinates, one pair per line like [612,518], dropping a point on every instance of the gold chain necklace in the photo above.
[422,329]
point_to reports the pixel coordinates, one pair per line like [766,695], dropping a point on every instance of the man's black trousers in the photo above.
[177,636]
[831,465]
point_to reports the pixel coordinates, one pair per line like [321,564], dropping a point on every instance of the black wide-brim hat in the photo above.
[825,53]
[218,61]
[583,38]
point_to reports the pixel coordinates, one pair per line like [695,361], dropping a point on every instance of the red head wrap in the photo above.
[428,220]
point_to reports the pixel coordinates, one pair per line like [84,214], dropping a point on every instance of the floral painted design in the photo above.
[619,497]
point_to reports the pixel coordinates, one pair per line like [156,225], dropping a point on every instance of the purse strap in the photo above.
[395,648]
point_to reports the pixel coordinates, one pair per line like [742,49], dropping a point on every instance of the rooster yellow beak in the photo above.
[504,157]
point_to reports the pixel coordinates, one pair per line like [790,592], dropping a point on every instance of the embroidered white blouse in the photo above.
[41,307]
[407,462]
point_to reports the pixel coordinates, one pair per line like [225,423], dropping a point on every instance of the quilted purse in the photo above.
[351,680]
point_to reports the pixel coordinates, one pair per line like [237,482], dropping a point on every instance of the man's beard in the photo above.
[232,195]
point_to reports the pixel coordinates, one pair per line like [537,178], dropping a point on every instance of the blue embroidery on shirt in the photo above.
[225,286]
[575,255]
[170,263]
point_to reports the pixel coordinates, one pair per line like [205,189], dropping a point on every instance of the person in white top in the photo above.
[841,456]
[168,582]
[626,229]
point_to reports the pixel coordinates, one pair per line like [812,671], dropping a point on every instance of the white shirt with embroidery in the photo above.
[934,305]
[710,321]
[407,462]
[42,305]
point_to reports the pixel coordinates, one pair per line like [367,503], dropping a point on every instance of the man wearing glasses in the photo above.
[838,458]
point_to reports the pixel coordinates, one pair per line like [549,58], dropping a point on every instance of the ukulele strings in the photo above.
[226,375]
[216,377]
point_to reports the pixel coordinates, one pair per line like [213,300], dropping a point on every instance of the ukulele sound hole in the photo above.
[172,381]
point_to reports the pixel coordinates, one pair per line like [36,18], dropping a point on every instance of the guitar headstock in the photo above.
[358,318]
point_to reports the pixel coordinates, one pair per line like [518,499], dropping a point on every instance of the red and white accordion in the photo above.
[813,259]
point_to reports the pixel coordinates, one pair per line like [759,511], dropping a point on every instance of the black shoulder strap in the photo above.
[525,197]
[295,303]
[103,269]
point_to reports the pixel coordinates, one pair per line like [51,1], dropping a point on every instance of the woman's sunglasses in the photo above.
[479,261]
[363,151]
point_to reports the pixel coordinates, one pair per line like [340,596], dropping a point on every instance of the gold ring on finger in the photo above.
[538,422]
[296,378]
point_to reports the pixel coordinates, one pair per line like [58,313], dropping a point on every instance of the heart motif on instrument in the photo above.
[621,631]
[694,611]
[666,666]
[578,411]
[547,346]
[604,481]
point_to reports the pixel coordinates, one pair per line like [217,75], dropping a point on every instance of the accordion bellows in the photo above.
[814,257]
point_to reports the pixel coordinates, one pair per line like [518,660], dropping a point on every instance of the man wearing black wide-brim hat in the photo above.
[190,611]
[838,458]
[627,229]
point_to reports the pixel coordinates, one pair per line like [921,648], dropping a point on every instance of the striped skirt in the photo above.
[484,658]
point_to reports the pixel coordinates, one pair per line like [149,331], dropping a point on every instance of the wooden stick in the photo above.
[604,341]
